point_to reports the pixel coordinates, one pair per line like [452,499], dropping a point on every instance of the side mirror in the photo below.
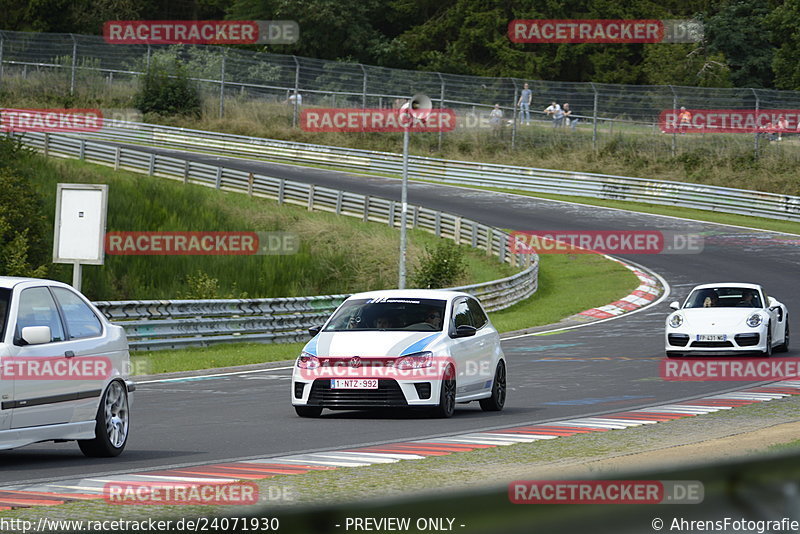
[675,305]
[36,335]
[465,331]
[314,330]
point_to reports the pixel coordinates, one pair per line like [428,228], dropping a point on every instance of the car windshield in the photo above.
[724,297]
[5,299]
[409,314]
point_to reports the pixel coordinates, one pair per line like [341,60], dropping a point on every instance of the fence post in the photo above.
[594,118]
[222,85]
[148,58]
[755,140]
[514,125]
[441,106]
[74,64]
[674,108]
[296,90]
[363,88]
[2,41]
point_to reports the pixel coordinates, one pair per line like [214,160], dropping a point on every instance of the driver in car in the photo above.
[434,318]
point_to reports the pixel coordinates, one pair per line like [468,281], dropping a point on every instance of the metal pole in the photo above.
[441,106]
[148,58]
[755,140]
[401,284]
[363,88]
[674,133]
[76,275]
[514,127]
[594,119]
[74,64]
[296,90]
[222,86]
[2,40]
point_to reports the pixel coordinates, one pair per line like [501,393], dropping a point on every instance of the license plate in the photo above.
[354,383]
[712,337]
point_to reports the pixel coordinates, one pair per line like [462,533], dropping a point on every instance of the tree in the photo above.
[783,22]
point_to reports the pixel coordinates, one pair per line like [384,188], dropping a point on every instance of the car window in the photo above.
[724,297]
[37,308]
[396,313]
[478,316]
[461,314]
[80,319]
[5,300]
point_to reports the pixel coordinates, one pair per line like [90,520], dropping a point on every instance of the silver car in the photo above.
[63,369]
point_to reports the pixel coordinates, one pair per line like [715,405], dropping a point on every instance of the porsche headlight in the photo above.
[676,320]
[754,320]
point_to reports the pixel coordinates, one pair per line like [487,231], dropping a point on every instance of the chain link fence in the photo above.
[79,63]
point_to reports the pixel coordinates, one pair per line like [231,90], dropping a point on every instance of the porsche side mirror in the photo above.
[675,305]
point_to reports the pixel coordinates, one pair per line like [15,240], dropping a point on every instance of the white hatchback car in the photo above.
[63,369]
[402,348]
[727,318]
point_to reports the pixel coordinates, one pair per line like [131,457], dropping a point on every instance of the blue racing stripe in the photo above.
[311,346]
[419,345]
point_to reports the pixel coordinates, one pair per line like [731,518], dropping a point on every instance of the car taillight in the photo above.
[415,361]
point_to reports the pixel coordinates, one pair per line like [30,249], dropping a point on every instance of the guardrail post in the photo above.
[82,153]
[339,200]
[117,158]
[502,252]
[296,89]
[250,179]
[594,118]
[390,216]
[441,106]
[514,124]
[281,191]
[457,230]
[311,189]
[218,178]
[489,242]
[186,171]
[46,143]
[366,208]
[151,166]
[437,224]
[222,85]
[74,64]
[414,216]
[474,235]
[755,135]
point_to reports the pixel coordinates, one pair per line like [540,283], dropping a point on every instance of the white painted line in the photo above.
[196,377]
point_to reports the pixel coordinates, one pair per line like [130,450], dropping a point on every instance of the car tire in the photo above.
[673,354]
[496,402]
[111,424]
[784,347]
[308,411]
[768,350]
[447,396]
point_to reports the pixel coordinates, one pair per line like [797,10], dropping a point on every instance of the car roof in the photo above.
[8,282]
[441,294]
[743,285]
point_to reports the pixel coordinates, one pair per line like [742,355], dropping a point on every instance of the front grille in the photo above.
[712,344]
[678,340]
[387,394]
[747,340]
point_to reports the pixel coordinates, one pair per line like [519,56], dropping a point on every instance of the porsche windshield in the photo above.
[724,297]
[409,314]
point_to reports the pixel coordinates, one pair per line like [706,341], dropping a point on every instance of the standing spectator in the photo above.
[556,113]
[496,119]
[684,119]
[569,118]
[782,126]
[524,104]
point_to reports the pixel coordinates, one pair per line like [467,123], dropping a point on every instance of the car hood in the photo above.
[370,344]
[717,317]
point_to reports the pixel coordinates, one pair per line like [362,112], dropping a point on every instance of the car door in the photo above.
[487,339]
[40,396]
[465,351]
[6,336]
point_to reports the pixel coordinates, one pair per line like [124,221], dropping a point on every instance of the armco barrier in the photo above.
[155,325]
[679,194]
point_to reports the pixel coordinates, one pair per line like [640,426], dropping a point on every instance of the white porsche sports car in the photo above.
[402,348]
[729,318]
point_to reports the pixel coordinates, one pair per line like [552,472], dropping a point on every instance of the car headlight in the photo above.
[414,361]
[754,320]
[676,320]
[307,361]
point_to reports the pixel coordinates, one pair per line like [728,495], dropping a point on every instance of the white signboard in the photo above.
[80,225]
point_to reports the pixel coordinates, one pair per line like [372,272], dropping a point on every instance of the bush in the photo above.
[442,266]
[167,91]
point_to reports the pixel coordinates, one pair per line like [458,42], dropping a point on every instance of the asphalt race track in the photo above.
[598,368]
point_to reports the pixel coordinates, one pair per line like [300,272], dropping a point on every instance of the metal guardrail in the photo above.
[152,325]
[609,187]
